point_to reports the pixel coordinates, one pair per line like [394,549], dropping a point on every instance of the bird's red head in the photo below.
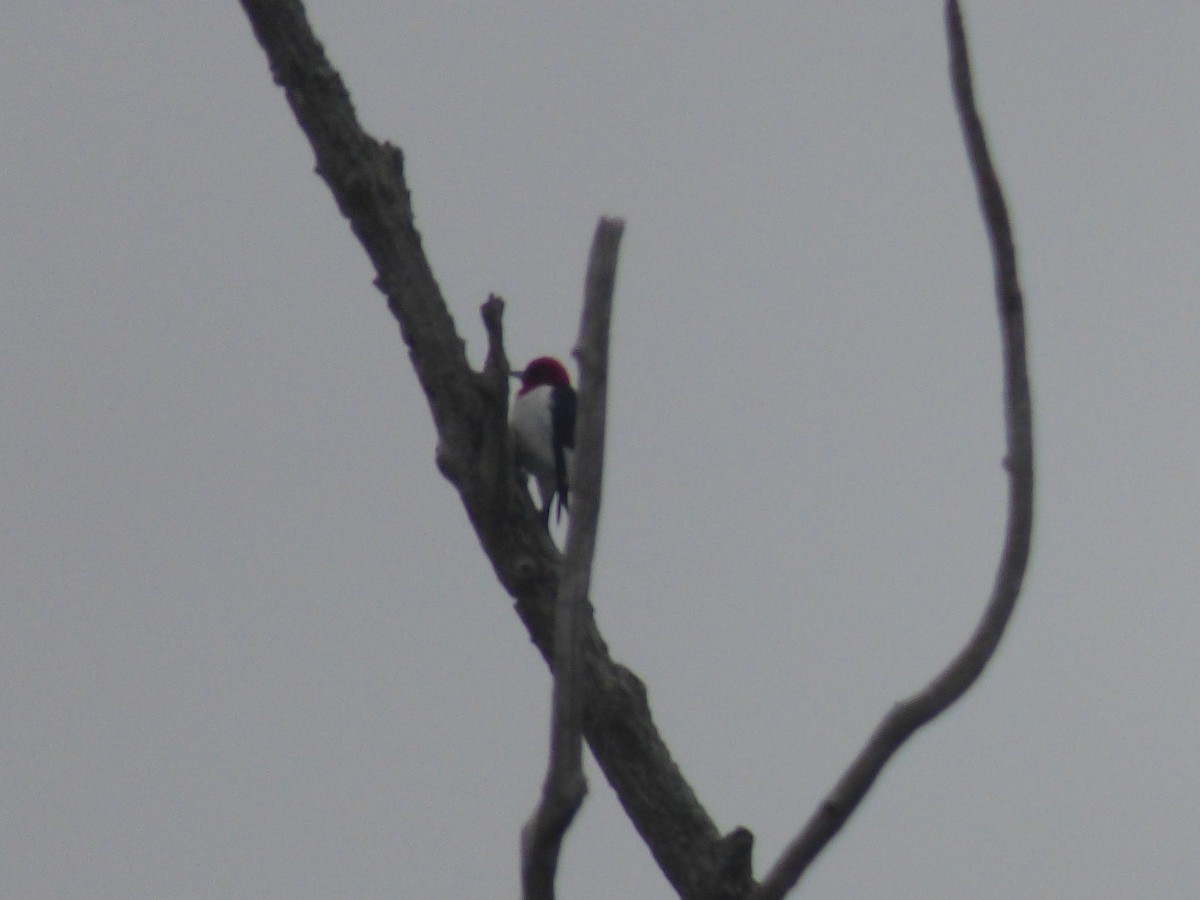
[544,370]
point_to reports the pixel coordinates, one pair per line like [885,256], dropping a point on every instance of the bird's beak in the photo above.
[516,375]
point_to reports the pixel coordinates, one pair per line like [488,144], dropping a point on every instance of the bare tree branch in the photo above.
[565,785]
[474,452]
[906,717]
[469,410]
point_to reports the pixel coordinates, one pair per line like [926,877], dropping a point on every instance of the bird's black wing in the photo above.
[562,420]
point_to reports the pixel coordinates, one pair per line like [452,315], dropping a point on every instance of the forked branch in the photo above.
[906,717]
[366,178]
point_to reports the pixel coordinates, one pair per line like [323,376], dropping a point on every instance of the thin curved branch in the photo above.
[366,178]
[565,785]
[906,717]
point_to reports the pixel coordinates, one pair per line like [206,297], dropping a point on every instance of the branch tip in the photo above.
[492,313]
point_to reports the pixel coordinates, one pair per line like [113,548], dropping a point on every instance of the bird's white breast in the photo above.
[533,428]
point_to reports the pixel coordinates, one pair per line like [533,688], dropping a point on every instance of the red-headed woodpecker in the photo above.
[543,423]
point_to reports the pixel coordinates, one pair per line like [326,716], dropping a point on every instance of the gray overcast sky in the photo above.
[249,646]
